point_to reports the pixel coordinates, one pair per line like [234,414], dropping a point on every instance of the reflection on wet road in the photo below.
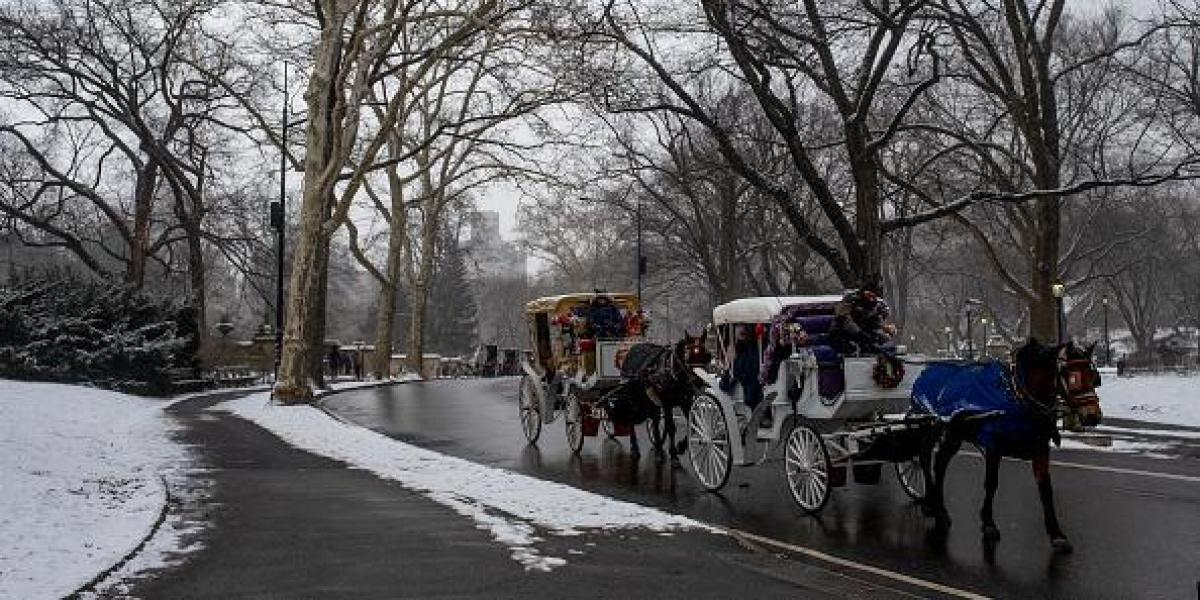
[1135,536]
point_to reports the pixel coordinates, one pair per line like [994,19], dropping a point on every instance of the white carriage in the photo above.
[826,431]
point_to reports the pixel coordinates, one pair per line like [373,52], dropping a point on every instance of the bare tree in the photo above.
[119,135]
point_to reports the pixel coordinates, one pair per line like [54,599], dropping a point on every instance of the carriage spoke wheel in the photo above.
[807,465]
[911,478]
[574,422]
[708,443]
[531,409]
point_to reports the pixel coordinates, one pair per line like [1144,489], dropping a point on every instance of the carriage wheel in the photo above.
[807,466]
[911,478]
[531,410]
[708,443]
[574,422]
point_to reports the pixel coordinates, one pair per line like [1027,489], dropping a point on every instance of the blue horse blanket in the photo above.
[953,390]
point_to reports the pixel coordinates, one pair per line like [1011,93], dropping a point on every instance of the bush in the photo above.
[61,328]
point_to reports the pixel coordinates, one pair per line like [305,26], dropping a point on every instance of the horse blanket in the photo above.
[955,390]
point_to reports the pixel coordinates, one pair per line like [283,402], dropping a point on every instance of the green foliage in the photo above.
[61,328]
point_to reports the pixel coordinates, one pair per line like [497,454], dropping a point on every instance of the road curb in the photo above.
[90,586]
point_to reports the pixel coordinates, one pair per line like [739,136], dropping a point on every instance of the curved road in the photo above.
[1134,521]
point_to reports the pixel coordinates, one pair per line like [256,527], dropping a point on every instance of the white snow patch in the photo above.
[82,483]
[506,504]
[1150,449]
[1156,398]
[1179,434]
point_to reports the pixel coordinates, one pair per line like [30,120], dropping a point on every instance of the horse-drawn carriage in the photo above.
[578,342]
[832,413]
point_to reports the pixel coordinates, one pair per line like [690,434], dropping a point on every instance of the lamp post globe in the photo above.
[1058,290]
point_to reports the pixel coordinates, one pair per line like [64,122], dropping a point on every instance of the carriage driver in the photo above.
[860,323]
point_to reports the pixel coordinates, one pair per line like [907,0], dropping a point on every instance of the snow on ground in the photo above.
[508,505]
[1155,398]
[82,484]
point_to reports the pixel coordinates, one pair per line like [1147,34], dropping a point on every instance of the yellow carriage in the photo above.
[577,343]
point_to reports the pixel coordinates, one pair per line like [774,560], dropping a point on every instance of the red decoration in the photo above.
[888,372]
[587,345]
[760,330]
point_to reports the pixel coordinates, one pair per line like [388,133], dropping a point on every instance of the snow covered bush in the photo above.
[62,328]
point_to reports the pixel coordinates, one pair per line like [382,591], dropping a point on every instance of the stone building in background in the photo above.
[498,276]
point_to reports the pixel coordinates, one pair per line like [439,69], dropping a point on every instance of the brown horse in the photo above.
[1044,380]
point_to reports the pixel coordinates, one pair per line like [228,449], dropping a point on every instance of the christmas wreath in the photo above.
[888,372]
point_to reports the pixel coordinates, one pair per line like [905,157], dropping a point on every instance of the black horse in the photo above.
[1020,422]
[659,379]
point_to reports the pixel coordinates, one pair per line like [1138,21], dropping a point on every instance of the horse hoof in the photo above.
[991,533]
[1062,546]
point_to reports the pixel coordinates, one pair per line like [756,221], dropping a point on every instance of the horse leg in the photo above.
[937,502]
[991,480]
[1041,473]
[633,443]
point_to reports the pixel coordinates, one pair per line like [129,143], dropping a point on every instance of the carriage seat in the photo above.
[817,320]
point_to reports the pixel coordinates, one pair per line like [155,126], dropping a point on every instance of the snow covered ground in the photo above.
[508,505]
[82,483]
[1155,398]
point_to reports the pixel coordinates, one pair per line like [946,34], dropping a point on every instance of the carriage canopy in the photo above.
[557,304]
[764,308]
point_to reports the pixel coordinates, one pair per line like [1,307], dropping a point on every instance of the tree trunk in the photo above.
[196,276]
[420,293]
[866,261]
[384,321]
[296,369]
[139,245]
[396,262]
[1043,313]
[727,246]
[320,308]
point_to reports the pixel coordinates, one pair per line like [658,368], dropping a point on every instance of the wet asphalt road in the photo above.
[1135,536]
[273,521]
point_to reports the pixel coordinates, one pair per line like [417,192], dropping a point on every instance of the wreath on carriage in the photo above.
[888,371]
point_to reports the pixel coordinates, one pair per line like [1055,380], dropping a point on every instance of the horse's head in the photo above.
[1077,383]
[692,350]
[1047,373]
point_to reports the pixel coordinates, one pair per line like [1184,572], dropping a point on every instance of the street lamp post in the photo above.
[970,335]
[641,260]
[278,223]
[1057,289]
[1107,343]
[983,347]
[969,308]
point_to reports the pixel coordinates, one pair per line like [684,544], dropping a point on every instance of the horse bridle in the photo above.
[1070,386]
[1073,386]
[1022,392]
